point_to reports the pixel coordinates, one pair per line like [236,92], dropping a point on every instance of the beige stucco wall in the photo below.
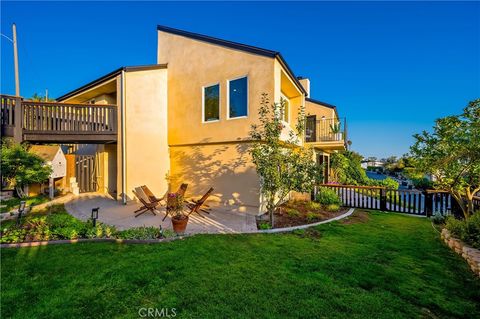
[209,154]
[147,160]
[193,64]
[104,99]
[226,167]
[319,110]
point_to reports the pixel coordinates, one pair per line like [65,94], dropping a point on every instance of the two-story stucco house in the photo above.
[187,118]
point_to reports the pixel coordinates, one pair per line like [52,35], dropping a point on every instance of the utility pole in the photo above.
[15,57]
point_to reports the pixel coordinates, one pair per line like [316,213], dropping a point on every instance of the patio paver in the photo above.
[221,219]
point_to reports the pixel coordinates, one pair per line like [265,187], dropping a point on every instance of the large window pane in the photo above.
[237,98]
[211,103]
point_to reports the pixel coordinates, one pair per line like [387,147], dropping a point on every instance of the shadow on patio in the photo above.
[221,220]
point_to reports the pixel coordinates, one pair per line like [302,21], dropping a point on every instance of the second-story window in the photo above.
[238,98]
[285,116]
[211,103]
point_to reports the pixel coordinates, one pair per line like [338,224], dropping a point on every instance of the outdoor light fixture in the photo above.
[95,216]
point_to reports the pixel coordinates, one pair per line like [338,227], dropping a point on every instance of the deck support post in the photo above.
[428,203]
[18,120]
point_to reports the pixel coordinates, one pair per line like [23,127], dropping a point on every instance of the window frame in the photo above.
[219,102]
[282,95]
[228,98]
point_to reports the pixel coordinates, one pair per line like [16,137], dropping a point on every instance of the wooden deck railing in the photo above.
[61,117]
[52,121]
[7,114]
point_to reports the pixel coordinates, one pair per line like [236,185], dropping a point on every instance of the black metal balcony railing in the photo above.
[325,130]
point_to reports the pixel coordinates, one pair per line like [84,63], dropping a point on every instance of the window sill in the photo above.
[237,118]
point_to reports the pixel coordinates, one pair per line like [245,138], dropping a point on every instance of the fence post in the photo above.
[456,209]
[383,199]
[18,120]
[428,203]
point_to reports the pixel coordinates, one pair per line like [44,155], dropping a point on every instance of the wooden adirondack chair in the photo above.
[148,206]
[195,206]
[182,189]
[152,197]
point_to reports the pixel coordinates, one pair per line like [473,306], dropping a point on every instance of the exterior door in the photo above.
[86,173]
[311,129]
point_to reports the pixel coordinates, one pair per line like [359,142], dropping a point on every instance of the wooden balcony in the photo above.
[327,134]
[52,122]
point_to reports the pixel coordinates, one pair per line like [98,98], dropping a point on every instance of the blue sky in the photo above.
[391,68]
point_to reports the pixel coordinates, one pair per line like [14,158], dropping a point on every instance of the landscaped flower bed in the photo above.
[301,212]
[56,224]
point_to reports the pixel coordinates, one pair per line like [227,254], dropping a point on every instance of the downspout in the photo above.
[124,168]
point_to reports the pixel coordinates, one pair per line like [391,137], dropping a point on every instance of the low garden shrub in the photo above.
[314,205]
[292,212]
[332,208]
[327,196]
[264,225]
[311,216]
[56,223]
[467,230]
[438,219]
[140,233]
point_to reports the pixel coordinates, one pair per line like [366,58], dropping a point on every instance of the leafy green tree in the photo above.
[20,167]
[451,154]
[347,169]
[40,98]
[282,165]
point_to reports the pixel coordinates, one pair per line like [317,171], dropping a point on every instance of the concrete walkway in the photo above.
[220,220]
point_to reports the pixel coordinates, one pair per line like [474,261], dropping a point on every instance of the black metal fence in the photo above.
[423,203]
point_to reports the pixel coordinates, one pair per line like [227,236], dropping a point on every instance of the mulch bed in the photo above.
[296,213]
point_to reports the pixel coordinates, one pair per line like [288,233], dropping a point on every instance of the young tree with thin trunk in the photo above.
[283,164]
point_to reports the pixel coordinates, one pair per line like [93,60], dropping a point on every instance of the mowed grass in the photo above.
[379,266]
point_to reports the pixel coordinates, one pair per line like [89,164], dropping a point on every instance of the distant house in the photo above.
[366,164]
[54,157]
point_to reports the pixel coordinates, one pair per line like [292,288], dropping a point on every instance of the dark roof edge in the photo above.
[226,43]
[236,46]
[145,67]
[320,103]
[109,76]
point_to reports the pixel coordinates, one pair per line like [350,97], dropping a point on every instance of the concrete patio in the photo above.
[220,220]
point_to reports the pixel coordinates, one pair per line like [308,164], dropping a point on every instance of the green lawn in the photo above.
[388,266]
[14,202]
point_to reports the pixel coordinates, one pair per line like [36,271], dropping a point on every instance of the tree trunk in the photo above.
[458,197]
[20,191]
[271,217]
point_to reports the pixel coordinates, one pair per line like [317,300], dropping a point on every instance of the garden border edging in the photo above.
[288,229]
[470,254]
[87,240]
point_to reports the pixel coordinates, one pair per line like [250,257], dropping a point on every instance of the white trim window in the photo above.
[211,103]
[237,98]
[285,116]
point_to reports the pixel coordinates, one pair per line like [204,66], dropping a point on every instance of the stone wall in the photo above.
[471,255]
